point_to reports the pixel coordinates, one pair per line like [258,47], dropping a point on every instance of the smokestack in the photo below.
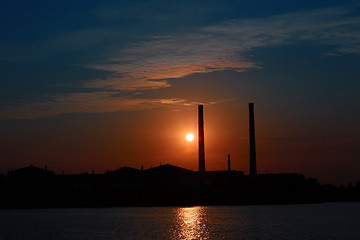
[229,166]
[253,171]
[201,140]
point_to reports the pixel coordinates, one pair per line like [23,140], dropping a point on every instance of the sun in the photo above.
[189,137]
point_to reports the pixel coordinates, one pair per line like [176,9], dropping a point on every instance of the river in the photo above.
[303,221]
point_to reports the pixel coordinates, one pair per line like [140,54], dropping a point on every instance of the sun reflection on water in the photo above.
[191,223]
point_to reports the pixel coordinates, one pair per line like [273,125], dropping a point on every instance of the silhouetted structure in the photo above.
[124,171]
[30,176]
[201,140]
[33,187]
[253,171]
[164,185]
[229,165]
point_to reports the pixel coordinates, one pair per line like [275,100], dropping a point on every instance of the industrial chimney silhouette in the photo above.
[201,140]
[253,171]
[229,165]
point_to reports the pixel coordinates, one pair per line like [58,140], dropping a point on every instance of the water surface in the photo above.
[307,221]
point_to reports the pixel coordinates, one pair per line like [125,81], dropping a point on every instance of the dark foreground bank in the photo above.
[165,185]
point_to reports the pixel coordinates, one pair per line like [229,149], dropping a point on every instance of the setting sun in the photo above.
[189,137]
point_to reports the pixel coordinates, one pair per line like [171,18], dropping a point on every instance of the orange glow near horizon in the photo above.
[107,143]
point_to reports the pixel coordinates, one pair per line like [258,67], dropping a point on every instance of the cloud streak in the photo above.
[224,46]
[93,102]
[149,63]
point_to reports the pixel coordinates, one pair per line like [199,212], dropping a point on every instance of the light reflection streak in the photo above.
[191,223]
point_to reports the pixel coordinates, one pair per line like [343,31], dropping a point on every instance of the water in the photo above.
[308,221]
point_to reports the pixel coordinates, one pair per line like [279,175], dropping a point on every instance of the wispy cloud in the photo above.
[224,46]
[149,63]
[94,102]
[336,27]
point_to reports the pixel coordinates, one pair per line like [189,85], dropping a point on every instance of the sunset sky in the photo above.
[96,85]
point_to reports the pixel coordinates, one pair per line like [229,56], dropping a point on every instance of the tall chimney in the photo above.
[229,166]
[201,140]
[253,171]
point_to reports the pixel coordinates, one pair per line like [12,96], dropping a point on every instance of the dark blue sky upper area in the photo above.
[27,22]
[43,43]
[52,49]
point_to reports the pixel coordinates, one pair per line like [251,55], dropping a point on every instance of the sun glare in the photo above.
[189,137]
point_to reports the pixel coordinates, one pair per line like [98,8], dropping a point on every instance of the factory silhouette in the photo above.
[164,185]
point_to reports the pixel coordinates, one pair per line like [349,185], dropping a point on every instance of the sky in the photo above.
[97,85]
